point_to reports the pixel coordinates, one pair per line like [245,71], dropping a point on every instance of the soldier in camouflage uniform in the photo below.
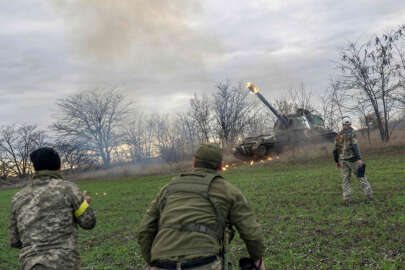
[45,216]
[184,226]
[347,157]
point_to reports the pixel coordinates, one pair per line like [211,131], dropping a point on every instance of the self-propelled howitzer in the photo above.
[291,130]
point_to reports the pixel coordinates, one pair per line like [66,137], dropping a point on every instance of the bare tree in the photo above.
[397,41]
[6,166]
[284,106]
[16,144]
[367,119]
[400,98]
[231,111]
[188,130]
[331,106]
[75,155]
[296,99]
[201,113]
[133,138]
[170,144]
[139,137]
[261,120]
[95,117]
[370,78]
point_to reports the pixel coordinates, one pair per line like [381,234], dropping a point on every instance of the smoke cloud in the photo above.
[152,35]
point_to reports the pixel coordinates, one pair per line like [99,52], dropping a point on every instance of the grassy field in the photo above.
[299,205]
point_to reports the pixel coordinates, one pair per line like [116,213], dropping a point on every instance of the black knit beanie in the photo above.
[45,158]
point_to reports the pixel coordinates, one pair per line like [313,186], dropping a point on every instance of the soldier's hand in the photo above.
[260,265]
[360,163]
[338,165]
[86,197]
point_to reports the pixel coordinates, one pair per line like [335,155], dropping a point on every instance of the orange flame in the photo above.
[252,163]
[252,88]
[270,158]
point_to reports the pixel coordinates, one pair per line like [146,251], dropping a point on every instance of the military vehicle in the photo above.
[290,131]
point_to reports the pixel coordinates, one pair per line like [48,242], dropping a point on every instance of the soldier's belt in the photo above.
[81,209]
[186,265]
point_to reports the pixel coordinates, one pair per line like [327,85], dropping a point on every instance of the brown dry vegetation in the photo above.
[311,152]
[307,153]
[135,170]
[397,139]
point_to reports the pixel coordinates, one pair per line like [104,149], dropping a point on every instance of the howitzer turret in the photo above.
[292,130]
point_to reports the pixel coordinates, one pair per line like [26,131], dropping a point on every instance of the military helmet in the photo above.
[208,156]
[346,120]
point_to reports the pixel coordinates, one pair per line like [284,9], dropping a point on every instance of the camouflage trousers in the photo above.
[56,259]
[216,265]
[347,167]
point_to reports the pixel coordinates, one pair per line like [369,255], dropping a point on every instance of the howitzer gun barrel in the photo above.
[254,90]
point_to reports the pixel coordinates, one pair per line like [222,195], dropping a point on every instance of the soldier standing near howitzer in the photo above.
[347,157]
[189,222]
[45,215]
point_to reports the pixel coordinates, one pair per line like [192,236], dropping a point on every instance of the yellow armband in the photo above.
[81,209]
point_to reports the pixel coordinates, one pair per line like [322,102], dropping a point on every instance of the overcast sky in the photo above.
[161,52]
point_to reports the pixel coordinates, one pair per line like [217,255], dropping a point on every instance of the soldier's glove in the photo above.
[336,156]
[247,264]
[361,171]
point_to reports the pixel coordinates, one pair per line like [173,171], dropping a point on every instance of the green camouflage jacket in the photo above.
[162,243]
[346,147]
[44,222]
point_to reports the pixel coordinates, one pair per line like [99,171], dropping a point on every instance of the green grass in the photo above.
[298,204]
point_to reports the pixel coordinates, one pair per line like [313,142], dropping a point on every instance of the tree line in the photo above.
[102,128]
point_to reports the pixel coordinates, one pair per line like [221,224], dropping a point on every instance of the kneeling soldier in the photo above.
[185,224]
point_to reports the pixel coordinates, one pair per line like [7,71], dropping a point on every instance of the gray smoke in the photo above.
[147,35]
[154,50]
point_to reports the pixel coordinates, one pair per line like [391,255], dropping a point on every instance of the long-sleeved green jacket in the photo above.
[162,243]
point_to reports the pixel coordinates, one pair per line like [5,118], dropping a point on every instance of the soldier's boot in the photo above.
[370,198]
